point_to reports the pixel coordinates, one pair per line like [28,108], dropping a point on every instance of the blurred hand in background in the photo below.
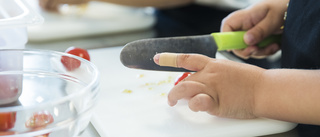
[53,5]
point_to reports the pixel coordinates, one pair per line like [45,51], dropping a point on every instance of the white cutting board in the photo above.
[144,112]
[96,19]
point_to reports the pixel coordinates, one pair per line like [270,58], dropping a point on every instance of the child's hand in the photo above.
[260,21]
[52,5]
[220,87]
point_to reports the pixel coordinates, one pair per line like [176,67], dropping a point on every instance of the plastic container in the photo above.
[62,99]
[15,16]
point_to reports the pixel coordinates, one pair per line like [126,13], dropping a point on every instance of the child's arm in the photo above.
[289,94]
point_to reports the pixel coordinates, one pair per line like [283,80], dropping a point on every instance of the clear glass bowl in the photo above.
[46,87]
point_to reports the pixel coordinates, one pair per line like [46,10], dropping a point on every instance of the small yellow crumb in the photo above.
[161,82]
[127,91]
[140,75]
[150,84]
[163,94]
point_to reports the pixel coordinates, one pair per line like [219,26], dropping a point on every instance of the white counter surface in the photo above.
[144,111]
[98,46]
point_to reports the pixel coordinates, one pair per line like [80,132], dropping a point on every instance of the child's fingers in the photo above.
[203,102]
[185,89]
[269,50]
[255,52]
[246,53]
[193,62]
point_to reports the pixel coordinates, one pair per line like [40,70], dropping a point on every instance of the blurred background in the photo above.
[99,24]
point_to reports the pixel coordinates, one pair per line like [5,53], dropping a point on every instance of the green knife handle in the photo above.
[234,40]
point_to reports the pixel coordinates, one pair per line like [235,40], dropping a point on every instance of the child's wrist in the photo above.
[259,91]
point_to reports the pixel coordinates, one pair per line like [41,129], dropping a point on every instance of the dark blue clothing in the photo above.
[301,44]
[187,20]
[301,39]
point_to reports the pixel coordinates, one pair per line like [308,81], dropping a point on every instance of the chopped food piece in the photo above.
[3,133]
[39,119]
[140,75]
[163,94]
[7,121]
[70,63]
[163,82]
[127,91]
[83,53]
[182,77]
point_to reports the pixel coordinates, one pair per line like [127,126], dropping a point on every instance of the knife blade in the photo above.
[139,54]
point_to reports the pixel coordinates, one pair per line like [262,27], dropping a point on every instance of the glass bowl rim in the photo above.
[92,84]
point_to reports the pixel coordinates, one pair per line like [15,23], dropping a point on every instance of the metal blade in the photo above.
[139,54]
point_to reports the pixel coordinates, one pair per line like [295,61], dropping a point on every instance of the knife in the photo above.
[139,54]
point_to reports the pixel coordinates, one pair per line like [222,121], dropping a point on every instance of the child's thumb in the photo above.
[258,33]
